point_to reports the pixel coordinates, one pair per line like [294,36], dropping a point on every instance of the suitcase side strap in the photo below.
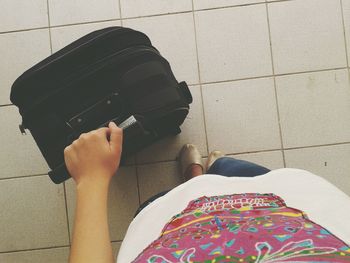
[185,92]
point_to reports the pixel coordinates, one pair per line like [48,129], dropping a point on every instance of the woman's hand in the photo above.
[95,156]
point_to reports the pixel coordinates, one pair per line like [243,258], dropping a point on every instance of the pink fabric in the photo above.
[244,228]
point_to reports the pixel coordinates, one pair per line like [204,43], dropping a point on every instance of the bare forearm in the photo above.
[91,241]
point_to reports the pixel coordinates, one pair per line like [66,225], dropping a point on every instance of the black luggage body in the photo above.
[110,74]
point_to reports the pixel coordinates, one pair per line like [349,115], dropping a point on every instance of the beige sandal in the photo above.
[189,155]
[213,156]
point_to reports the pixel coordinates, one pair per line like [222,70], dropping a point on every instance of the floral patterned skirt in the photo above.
[243,228]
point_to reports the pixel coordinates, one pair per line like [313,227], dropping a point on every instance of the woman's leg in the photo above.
[192,171]
[231,167]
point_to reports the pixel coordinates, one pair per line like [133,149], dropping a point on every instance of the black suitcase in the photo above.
[110,74]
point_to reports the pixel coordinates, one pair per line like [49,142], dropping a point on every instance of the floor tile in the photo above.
[173,36]
[271,160]
[314,108]
[62,36]
[17,15]
[231,45]
[122,202]
[346,10]
[193,131]
[157,177]
[79,11]
[241,116]
[26,49]
[116,247]
[330,162]
[33,214]
[306,35]
[204,4]
[135,8]
[53,255]
[19,154]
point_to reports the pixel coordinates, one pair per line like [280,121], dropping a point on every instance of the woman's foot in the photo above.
[190,161]
[213,156]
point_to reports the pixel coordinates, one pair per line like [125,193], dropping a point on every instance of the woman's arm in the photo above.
[92,160]
[91,241]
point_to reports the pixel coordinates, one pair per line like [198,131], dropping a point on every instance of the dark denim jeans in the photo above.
[224,166]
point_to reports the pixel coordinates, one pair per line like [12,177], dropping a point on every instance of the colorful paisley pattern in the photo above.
[243,228]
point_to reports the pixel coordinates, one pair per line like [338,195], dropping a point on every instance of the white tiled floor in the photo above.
[18,15]
[270,81]
[306,35]
[79,11]
[241,116]
[231,45]
[19,51]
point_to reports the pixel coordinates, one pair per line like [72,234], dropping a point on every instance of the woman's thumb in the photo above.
[116,137]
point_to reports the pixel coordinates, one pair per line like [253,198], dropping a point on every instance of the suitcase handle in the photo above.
[59,174]
[110,107]
[132,128]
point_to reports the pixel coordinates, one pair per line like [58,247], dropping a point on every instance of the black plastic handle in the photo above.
[104,110]
[133,131]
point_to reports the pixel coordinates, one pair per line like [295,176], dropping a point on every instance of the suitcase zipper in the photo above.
[121,30]
[120,54]
[41,64]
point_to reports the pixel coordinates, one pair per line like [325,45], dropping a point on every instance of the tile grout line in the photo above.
[241,5]
[120,12]
[45,248]
[145,16]
[64,183]
[344,31]
[23,30]
[59,26]
[291,148]
[345,39]
[234,153]
[270,76]
[316,146]
[253,152]
[33,249]
[23,176]
[6,105]
[49,23]
[66,207]
[163,161]
[200,77]
[274,84]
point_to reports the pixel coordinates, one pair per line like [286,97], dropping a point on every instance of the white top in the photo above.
[324,203]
